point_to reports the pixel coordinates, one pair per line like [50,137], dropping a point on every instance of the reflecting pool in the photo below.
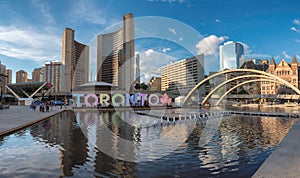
[78,144]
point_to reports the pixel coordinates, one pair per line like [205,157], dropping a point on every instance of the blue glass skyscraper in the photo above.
[231,55]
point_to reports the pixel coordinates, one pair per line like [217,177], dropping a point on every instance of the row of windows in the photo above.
[283,72]
[268,93]
[273,87]
[288,80]
[268,87]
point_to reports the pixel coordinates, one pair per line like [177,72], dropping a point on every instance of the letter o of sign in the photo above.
[118,103]
[156,99]
[86,100]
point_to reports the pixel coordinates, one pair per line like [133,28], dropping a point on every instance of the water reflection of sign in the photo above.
[92,100]
[90,119]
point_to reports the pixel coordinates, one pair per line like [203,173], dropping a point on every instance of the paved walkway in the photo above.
[17,117]
[285,159]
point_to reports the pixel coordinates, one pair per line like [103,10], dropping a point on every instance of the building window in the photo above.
[294,72]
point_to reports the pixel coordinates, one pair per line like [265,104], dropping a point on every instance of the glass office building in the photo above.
[231,55]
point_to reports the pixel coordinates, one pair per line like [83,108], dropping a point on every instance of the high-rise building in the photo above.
[53,75]
[137,74]
[9,76]
[21,76]
[115,55]
[2,69]
[75,61]
[38,74]
[231,55]
[182,76]
[154,84]
[3,79]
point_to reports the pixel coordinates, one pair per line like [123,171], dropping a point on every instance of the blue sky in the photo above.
[30,31]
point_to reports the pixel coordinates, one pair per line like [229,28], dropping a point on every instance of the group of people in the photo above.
[43,107]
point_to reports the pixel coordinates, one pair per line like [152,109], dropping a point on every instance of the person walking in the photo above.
[33,106]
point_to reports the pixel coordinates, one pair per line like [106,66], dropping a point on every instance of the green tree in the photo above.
[243,91]
[137,86]
[144,86]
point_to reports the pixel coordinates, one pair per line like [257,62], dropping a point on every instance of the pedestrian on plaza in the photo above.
[47,107]
[33,106]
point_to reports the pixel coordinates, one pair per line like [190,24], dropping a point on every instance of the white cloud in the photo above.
[85,11]
[172,30]
[217,21]
[296,21]
[286,55]
[151,63]
[180,38]
[149,52]
[210,45]
[297,40]
[28,43]
[295,29]
[45,10]
[166,50]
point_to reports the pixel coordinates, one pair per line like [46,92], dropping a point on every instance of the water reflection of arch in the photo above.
[230,80]
[243,83]
[236,71]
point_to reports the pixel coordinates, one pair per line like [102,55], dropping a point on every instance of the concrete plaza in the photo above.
[284,161]
[17,117]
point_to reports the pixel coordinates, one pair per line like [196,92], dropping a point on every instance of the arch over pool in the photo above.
[243,83]
[239,70]
[230,80]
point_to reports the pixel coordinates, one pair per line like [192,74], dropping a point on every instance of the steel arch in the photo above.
[230,80]
[243,83]
[239,70]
